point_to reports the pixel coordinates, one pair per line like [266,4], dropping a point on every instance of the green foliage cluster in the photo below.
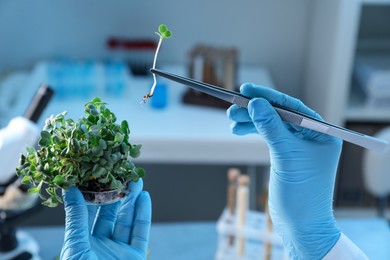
[92,153]
[163,31]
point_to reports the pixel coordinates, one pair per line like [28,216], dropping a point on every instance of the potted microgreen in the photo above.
[92,153]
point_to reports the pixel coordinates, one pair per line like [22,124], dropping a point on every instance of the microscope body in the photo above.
[20,133]
[14,138]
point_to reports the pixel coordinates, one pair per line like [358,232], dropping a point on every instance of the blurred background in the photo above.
[269,34]
[333,55]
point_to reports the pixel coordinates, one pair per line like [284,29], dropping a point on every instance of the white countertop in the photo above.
[198,240]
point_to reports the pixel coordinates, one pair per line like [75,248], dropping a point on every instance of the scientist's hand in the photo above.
[303,171]
[115,231]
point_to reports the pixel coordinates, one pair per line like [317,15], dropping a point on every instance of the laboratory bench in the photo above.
[198,240]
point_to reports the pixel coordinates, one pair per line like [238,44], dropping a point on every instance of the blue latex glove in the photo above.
[303,171]
[115,231]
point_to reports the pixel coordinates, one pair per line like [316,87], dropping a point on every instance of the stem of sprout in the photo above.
[154,66]
[163,32]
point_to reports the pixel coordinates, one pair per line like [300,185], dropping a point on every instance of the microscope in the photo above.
[14,200]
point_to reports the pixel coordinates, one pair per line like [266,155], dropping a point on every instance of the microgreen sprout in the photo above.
[163,32]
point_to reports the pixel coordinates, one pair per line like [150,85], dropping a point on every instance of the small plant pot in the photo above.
[103,197]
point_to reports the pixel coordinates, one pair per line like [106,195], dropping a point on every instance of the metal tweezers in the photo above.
[287,115]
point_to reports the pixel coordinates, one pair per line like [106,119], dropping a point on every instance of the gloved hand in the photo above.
[115,231]
[302,176]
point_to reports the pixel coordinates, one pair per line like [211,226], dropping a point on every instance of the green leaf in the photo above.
[30,150]
[167,34]
[75,144]
[22,159]
[106,179]
[44,142]
[162,28]
[106,113]
[26,179]
[83,128]
[36,189]
[39,168]
[56,139]
[94,133]
[45,135]
[89,106]
[33,168]
[98,172]
[164,31]
[102,161]
[102,144]
[109,165]
[125,148]
[37,176]
[135,150]
[92,119]
[97,151]
[115,184]
[140,171]
[102,121]
[118,138]
[51,202]
[113,118]
[125,127]
[94,112]
[128,165]
[96,100]
[85,158]
[115,157]
[59,180]
[94,128]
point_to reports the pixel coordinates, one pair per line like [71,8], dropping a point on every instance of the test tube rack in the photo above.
[255,234]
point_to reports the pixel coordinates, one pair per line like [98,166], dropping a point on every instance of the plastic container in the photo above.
[103,197]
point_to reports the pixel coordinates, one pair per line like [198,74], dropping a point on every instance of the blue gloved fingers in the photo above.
[238,114]
[242,123]
[139,237]
[243,128]
[125,218]
[76,219]
[278,98]
[105,219]
[267,121]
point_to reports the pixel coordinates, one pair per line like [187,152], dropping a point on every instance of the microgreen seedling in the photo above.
[91,153]
[163,32]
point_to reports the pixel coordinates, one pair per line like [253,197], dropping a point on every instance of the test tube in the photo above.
[268,245]
[241,212]
[233,174]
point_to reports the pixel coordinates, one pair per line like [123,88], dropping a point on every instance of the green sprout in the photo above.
[92,153]
[163,32]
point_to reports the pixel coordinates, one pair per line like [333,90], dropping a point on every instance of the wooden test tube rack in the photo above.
[244,233]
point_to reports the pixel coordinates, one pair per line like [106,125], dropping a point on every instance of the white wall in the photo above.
[272,33]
